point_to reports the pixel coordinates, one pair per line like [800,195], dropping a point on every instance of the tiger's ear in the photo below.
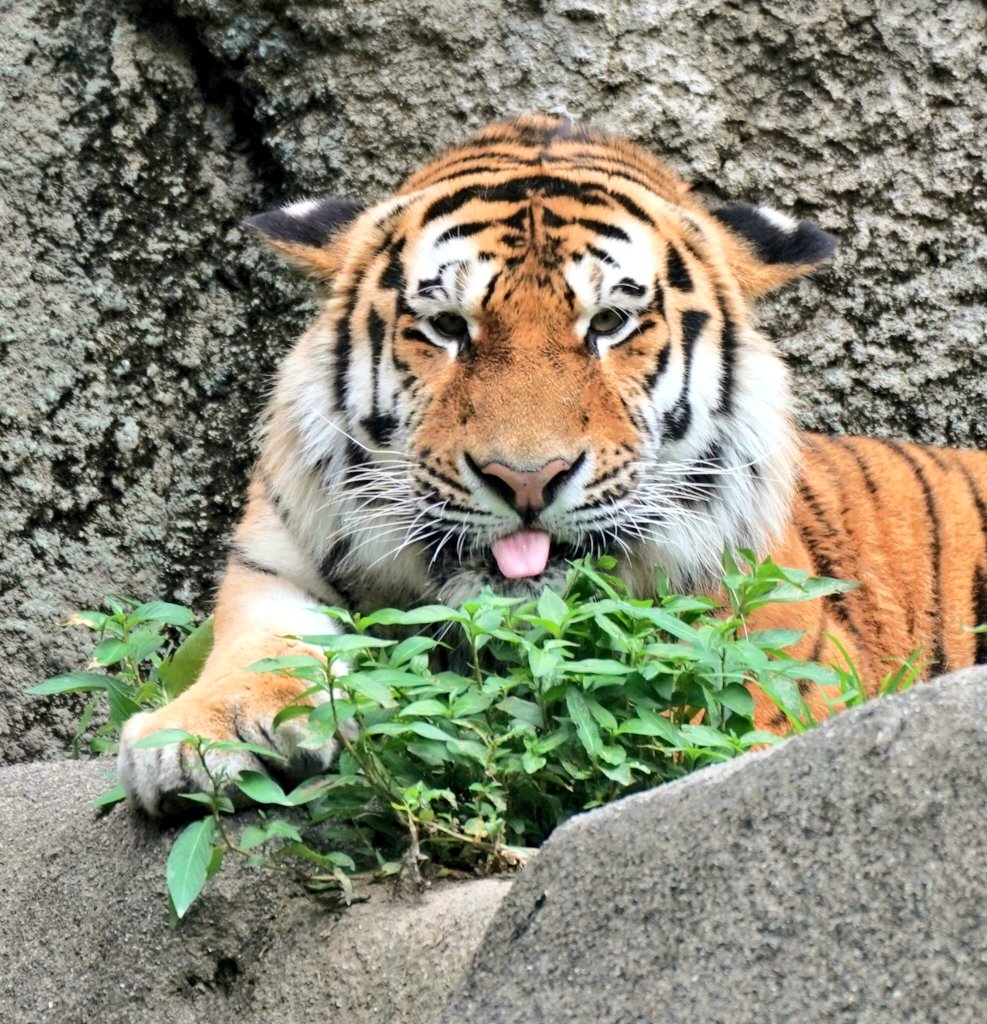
[768,248]
[301,231]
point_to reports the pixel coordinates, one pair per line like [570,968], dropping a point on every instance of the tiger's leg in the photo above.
[255,611]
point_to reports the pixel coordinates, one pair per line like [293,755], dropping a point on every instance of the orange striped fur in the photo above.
[541,346]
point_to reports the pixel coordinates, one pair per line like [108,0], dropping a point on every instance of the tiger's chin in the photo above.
[465,583]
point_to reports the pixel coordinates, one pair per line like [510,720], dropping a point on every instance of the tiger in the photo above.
[543,346]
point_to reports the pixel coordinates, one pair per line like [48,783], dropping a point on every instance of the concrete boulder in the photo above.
[838,878]
[86,936]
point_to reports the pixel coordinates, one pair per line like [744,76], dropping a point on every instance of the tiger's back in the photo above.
[909,523]
[543,346]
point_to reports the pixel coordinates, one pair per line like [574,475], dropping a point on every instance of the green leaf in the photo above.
[597,667]
[163,612]
[410,648]
[620,773]
[188,864]
[250,748]
[252,837]
[424,616]
[524,710]
[368,686]
[110,797]
[586,728]
[650,724]
[471,703]
[704,736]
[70,682]
[552,608]
[297,666]
[737,698]
[262,789]
[164,738]
[110,651]
[775,639]
[121,700]
[292,711]
[179,671]
[345,643]
[428,707]
[428,731]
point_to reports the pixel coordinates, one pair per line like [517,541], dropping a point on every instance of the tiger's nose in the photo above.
[526,490]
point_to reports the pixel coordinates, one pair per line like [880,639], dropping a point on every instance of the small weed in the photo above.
[465,747]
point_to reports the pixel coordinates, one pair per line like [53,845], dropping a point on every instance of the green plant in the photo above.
[465,747]
[149,652]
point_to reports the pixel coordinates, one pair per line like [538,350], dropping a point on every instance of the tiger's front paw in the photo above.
[155,777]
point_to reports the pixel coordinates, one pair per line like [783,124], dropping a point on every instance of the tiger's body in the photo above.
[542,346]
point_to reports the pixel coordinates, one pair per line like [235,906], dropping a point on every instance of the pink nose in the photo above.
[524,489]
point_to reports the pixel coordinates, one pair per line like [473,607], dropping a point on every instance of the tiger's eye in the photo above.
[607,321]
[450,325]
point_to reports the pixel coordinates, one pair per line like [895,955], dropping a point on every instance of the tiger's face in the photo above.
[540,347]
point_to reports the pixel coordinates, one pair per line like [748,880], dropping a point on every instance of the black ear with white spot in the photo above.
[301,231]
[778,248]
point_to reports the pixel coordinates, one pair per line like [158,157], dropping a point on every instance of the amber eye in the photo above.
[607,321]
[451,325]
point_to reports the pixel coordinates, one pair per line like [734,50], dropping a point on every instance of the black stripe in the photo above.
[817,647]
[822,564]
[606,164]
[455,485]
[676,271]
[238,555]
[849,445]
[274,499]
[978,500]
[625,201]
[937,655]
[980,614]
[513,190]
[488,292]
[661,365]
[329,570]
[635,334]
[631,287]
[728,354]
[702,478]
[602,228]
[344,344]
[392,278]
[376,329]
[676,421]
[658,302]
[978,602]
[601,255]
[380,426]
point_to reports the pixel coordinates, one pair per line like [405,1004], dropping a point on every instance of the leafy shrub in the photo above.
[465,747]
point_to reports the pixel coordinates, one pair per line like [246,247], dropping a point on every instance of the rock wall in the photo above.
[140,326]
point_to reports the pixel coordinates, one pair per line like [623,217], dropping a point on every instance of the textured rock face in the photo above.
[836,880]
[140,326]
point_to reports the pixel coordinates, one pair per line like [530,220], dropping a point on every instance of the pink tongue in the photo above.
[524,553]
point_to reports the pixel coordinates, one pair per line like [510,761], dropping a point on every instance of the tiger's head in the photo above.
[541,346]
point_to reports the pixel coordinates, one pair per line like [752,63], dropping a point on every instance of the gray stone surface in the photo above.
[837,878]
[139,326]
[85,933]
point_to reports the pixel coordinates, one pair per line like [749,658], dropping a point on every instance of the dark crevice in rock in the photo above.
[220,88]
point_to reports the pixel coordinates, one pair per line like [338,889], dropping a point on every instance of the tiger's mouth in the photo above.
[522,554]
